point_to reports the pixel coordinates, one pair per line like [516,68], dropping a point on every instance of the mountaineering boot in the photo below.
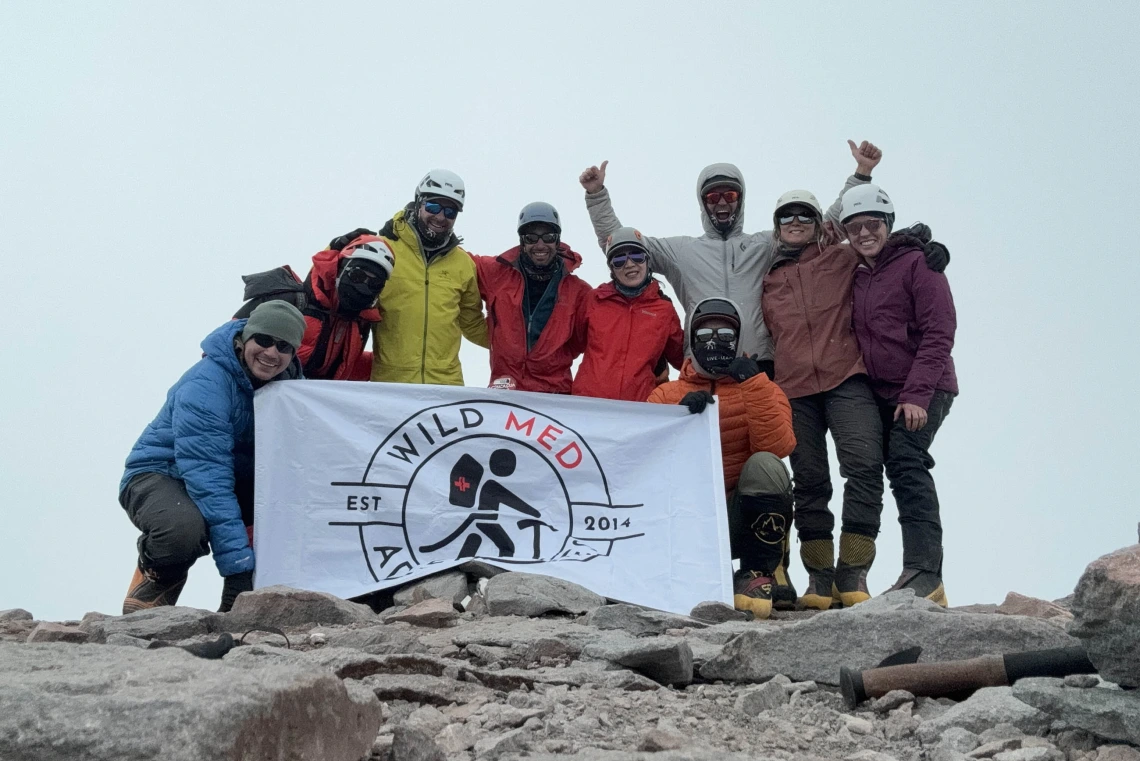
[924,583]
[753,593]
[856,554]
[818,557]
[783,592]
[149,589]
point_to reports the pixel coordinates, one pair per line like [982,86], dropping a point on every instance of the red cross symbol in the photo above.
[462,484]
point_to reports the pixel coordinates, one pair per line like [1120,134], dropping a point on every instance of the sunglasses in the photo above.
[802,218]
[264,341]
[706,334]
[533,238]
[729,196]
[619,261]
[872,226]
[431,207]
[361,276]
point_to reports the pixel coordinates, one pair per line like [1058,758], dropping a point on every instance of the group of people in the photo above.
[831,321]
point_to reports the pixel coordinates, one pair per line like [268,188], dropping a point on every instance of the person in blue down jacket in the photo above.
[188,485]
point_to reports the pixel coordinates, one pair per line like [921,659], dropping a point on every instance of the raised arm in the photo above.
[867,157]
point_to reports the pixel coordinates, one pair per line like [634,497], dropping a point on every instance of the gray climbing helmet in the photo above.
[539,211]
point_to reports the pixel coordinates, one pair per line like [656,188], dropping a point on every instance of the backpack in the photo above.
[277,284]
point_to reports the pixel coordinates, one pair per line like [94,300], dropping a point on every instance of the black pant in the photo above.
[760,514]
[849,411]
[907,455]
[174,533]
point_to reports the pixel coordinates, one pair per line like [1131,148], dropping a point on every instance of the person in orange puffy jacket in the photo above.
[631,328]
[755,432]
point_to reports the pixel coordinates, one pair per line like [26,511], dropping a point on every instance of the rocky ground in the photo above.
[473,665]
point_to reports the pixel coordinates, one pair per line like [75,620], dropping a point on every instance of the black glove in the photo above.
[696,401]
[917,230]
[232,586]
[937,256]
[743,368]
[338,243]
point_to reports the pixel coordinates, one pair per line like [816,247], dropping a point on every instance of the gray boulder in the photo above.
[764,698]
[985,708]
[450,585]
[713,612]
[666,660]
[638,621]
[125,704]
[1020,605]
[862,636]
[432,612]
[284,607]
[1106,606]
[48,632]
[15,614]
[530,594]
[166,623]
[413,744]
[1111,714]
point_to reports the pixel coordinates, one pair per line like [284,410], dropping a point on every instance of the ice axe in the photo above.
[902,671]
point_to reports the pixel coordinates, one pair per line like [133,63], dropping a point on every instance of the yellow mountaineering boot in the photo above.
[818,556]
[753,593]
[856,554]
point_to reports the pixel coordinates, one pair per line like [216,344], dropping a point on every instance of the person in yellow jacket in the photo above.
[432,297]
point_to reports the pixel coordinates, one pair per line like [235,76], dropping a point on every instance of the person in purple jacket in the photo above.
[904,322]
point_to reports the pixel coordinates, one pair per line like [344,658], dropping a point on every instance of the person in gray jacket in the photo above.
[725,262]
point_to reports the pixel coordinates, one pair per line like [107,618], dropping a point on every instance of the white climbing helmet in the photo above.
[373,249]
[441,183]
[866,199]
[797,197]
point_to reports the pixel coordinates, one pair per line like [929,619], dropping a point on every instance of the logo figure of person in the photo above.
[466,478]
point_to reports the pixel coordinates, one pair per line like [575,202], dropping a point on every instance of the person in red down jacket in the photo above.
[631,328]
[341,293]
[534,304]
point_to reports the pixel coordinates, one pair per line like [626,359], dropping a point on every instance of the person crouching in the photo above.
[756,431]
[188,484]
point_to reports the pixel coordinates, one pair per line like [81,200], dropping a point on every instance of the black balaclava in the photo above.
[353,298]
[715,355]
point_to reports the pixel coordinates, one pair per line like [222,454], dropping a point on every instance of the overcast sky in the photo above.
[152,153]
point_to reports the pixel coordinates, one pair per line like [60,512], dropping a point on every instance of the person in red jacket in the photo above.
[631,327]
[755,432]
[534,304]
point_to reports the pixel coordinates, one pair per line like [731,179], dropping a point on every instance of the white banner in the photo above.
[365,486]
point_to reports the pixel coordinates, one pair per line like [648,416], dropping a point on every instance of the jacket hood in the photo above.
[897,245]
[689,334]
[571,259]
[322,279]
[725,170]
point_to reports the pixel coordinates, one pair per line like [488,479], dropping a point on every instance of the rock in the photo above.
[530,594]
[412,744]
[427,719]
[1020,605]
[126,640]
[659,738]
[450,586]
[551,649]
[666,660]
[862,636]
[498,716]
[1106,606]
[794,687]
[1000,732]
[1081,681]
[494,746]
[103,703]
[48,632]
[15,614]
[857,725]
[891,701]
[378,639]
[1117,753]
[423,688]
[994,747]
[985,708]
[764,698]
[432,612]
[638,621]
[1111,714]
[456,738]
[712,612]
[958,739]
[166,623]
[284,607]
[870,755]
[1039,753]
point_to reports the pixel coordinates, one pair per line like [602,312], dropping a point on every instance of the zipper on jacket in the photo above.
[811,335]
[423,342]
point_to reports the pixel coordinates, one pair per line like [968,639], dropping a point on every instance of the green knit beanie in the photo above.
[278,319]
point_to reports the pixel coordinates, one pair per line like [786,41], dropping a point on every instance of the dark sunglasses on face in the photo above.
[361,276]
[722,334]
[264,341]
[619,261]
[431,207]
[533,238]
[729,196]
[801,218]
[873,226]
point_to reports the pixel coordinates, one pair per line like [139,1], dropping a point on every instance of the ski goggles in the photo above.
[729,196]
[361,276]
[533,238]
[805,219]
[264,341]
[637,257]
[704,335]
[432,207]
[872,225]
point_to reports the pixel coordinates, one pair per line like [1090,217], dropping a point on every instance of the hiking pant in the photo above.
[174,533]
[760,514]
[908,460]
[850,412]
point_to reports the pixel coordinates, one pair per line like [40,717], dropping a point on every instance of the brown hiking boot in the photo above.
[148,590]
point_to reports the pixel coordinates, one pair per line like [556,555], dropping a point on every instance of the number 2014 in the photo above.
[605,524]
